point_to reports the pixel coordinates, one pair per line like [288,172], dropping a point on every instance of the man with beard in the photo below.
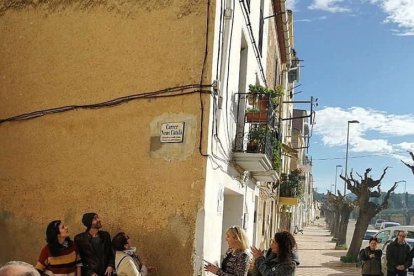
[95,248]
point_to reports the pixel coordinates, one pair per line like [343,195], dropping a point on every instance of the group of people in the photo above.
[91,253]
[399,257]
[279,260]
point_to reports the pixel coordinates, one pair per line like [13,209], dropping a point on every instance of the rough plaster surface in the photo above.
[174,151]
[56,53]
[123,7]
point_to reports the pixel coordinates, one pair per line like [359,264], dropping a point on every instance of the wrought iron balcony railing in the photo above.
[257,130]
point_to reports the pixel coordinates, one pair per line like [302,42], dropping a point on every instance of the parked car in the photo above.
[410,241]
[410,271]
[391,233]
[377,223]
[386,224]
[368,234]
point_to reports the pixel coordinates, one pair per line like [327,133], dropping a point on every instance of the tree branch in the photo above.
[408,165]
[384,204]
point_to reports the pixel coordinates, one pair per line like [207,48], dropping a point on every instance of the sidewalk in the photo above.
[318,256]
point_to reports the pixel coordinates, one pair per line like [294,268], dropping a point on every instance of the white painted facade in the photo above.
[230,194]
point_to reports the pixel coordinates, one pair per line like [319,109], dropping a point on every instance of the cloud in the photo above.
[307,20]
[388,130]
[399,12]
[291,4]
[332,6]
[303,20]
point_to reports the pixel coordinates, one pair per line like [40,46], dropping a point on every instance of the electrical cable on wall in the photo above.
[169,92]
[201,80]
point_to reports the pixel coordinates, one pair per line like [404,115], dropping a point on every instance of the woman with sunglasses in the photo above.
[60,256]
[236,260]
[126,261]
[280,260]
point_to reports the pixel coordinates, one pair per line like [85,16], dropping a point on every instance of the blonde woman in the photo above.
[236,260]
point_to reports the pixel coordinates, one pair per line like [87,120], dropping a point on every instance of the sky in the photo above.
[358,60]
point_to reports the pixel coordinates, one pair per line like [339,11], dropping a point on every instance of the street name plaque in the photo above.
[172,132]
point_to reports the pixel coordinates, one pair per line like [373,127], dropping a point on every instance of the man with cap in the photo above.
[95,248]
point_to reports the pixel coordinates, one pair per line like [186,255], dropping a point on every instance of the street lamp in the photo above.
[346,156]
[336,175]
[405,185]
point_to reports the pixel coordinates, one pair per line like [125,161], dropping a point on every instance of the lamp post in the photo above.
[336,175]
[346,155]
[405,185]
[405,189]
[407,220]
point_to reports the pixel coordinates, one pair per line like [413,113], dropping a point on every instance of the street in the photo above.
[317,253]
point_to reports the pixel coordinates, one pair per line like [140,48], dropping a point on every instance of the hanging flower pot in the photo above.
[256,117]
[263,102]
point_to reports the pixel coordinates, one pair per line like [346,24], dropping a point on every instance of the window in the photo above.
[383,236]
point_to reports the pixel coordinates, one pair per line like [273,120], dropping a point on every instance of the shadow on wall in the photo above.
[22,238]
[169,250]
[14,233]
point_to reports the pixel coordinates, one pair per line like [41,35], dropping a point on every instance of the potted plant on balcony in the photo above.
[257,138]
[291,185]
[277,155]
[255,115]
[261,95]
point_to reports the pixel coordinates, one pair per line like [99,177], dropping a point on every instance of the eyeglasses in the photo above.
[235,228]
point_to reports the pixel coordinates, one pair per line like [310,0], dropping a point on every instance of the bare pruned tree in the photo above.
[408,165]
[365,188]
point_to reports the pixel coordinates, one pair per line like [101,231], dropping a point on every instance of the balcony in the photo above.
[291,187]
[288,196]
[256,136]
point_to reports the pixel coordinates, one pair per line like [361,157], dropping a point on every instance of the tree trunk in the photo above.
[284,221]
[343,225]
[359,232]
[337,224]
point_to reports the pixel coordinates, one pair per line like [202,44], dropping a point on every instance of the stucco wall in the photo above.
[54,54]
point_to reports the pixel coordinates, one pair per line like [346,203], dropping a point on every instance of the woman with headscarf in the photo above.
[60,255]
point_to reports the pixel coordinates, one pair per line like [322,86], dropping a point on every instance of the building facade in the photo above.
[137,110]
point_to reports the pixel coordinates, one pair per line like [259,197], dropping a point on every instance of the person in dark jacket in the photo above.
[371,256]
[280,260]
[398,256]
[95,248]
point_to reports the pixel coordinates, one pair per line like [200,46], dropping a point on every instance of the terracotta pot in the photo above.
[256,117]
[263,103]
